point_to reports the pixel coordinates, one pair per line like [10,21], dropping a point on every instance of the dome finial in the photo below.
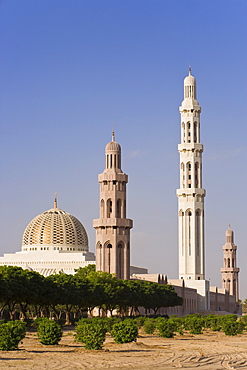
[189,70]
[229,226]
[113,134]
[55,200]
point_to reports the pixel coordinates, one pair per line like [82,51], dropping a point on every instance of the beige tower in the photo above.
[113,228]
[191,194]
[230,270]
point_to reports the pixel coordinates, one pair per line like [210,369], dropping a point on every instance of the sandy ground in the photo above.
[209,351]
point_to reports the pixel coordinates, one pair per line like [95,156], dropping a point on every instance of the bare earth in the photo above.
[209,351]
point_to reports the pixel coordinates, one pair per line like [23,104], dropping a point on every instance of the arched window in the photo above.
[228,262]
[109,248]
[188,230]
[120,260]
[233,263]
[183,133]
[99,248]
[188,175]
[188,132]
[102,208]
[196,174]
[124,209]
[109,208]
[182,173]
[118,208]
[195,132]
[198,229]
[181,221]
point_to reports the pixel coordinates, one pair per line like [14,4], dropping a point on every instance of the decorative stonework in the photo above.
[55,229]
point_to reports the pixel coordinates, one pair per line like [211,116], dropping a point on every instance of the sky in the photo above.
[71,70]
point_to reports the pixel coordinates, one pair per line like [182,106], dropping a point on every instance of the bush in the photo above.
[91,333]
[194,324]
[39,320]
[165,327]
[125,331]
[149,326]
[49,332]
[244,319]
[11,333]
[178,324]
[139,321]
[233,327]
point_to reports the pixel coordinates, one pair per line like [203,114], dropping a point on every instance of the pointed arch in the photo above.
[119,207]
[120,260]
[102,208]
[188,228]
[109,208]
[107,256]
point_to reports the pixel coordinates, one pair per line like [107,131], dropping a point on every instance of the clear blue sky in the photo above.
[71,69]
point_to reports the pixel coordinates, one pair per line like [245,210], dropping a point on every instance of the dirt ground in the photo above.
[209,351]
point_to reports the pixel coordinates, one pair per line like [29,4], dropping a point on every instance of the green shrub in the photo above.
[38,320]
[178,324]
[11,333]
[125,331]
[149,326]
[231,327]
[194,324]
[49,332]
[226,318]
[244,319]
[92,334]
[139,321]
[165,327]
[110,321]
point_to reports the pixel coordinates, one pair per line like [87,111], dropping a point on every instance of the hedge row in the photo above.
[92,332]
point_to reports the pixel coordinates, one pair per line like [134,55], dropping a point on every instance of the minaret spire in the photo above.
[230,270]
[191,194]
[55,200]
[112,227]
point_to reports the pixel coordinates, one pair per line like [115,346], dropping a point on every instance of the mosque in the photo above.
[56,241]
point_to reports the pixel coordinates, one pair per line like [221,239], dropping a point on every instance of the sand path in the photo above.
[209,351]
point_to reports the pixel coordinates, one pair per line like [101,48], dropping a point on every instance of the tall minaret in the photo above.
[191,194]
[113,228]
[230,270]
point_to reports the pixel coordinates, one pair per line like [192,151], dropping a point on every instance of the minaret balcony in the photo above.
[230,270]
[190,146]
[110,222]
[107,176]
[191,191]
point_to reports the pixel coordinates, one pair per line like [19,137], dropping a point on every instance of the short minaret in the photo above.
[191,194]
[230,270]
[113,228]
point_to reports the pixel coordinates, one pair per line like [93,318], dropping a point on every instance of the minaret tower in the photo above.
[113,228]
[191,194]
[230,270]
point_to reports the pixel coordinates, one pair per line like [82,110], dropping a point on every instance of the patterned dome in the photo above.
[55,228]
[113,146]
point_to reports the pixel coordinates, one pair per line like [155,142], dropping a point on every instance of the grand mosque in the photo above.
[56,241]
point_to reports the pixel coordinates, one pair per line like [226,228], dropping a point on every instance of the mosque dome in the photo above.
[189,80]
[113,146]
[56,229]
